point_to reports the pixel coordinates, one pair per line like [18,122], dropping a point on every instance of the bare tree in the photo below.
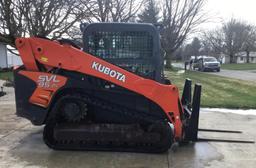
[250,41]
[125,10]
[38,18]
[195,47]
[232,38]
[113,10]
[150,14]
[11,20]
[213,41]
[180,17]
[206,47]
[98,9]
[52,17]
[191,49]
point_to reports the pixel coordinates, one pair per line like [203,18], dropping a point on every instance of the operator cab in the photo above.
[134,47]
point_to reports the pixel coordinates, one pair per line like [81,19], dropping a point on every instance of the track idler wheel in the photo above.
[72,108]
[167,137]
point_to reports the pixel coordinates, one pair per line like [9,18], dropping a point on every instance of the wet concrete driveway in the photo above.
[21,145]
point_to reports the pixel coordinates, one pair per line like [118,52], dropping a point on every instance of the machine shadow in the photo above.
[32,151]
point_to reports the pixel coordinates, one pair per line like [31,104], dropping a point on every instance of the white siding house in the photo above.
[241,58]
[8,59]
[13,60]
[3,56]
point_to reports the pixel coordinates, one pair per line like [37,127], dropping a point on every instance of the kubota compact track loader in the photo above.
[109,95]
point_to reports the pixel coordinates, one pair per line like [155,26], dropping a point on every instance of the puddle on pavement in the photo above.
[196,155]
[32,152]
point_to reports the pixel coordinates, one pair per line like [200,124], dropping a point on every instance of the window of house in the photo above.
[241,59]
[252,59]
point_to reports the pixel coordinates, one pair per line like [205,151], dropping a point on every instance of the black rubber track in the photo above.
[160,129]
[159,146]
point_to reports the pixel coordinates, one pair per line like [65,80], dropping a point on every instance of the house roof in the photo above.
[243,54]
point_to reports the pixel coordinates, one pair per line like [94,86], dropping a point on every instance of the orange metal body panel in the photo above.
[47,85]
[52,54]
[27,55]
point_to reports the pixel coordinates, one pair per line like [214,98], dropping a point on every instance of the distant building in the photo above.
[240,58]
[13,59]
[8,59]
[3,56]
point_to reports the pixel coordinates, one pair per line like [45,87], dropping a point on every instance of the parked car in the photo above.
[208,64]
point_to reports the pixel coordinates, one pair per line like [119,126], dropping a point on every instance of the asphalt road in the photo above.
[21,146]
[242,75]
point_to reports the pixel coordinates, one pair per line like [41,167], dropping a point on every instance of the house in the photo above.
[3,56]
[8,59]
[13,59]
[240,58]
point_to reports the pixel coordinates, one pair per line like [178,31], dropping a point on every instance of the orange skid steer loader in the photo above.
[109,95]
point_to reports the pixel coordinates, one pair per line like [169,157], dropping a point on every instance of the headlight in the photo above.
[205,64]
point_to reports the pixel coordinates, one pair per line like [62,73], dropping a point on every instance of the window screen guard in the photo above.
[129,50]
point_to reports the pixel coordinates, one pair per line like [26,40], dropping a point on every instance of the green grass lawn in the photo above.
[219,92]
[239,66]
[6,75]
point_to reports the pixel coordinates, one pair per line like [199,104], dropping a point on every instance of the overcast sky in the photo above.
[225,9]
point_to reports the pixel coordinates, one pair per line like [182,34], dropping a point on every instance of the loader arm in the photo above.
[52,54]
